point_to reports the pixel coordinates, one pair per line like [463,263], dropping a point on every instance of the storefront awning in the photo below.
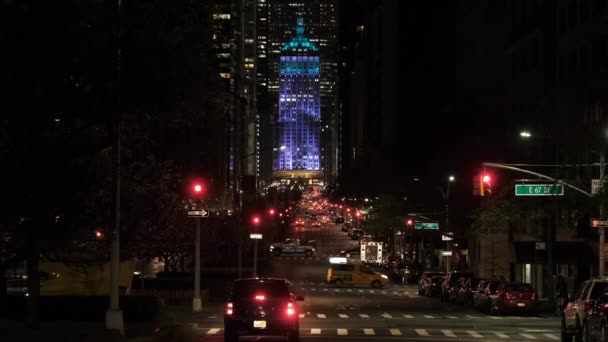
[571,252]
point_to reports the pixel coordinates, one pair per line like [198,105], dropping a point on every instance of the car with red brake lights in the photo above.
[515,298]
[299,222]
[262,307]
[316,224]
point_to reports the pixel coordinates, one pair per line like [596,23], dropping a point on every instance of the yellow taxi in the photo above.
[340,274]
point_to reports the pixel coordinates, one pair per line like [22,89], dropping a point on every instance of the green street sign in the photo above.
[426,225]
[539,189]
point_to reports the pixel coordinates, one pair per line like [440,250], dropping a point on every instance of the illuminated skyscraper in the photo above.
[299,105]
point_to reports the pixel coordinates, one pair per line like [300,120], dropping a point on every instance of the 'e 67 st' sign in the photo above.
[539,189]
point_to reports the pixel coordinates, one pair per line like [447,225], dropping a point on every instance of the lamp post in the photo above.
[446,199]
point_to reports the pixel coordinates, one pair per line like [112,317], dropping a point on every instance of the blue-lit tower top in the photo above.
[299,105]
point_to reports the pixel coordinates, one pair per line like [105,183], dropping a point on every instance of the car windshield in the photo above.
[598,288]
[269,288]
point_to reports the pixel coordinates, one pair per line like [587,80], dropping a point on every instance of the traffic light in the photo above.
[256,220]
[99,234]
[482,184]
[410,223]
[271,212]
[485,185]
[197,189]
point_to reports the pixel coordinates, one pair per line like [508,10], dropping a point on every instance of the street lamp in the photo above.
[525,134]
[451,178]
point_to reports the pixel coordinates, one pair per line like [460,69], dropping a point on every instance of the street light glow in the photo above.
[451,178]
[525,134]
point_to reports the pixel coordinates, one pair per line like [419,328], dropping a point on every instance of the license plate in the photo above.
[259,324]
[521,304]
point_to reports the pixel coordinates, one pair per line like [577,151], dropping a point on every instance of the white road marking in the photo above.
[361,291]
[384,292]
[469,316]
[372,291]
[315,331]
[501,335]
[495,317]
[408,316]
[349,290]
[386,315]
[325,289]
[395,332]
[313,289]
[369,332]
[429,316]
[452,317]
[422,332]
[321,316]
[213,331]
[551,336]
[474,334]
[364,316]
[343,315]
[528,336]
[302,315]
[448,333]
[342,332]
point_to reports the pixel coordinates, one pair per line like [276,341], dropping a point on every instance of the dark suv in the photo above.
[262,306]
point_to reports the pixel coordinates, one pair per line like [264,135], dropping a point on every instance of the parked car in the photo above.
[595,327]
[451,281]
[424,277]
[262,306]
[467,291]
[455,289]
[356,234]
[581,301]
[515,298]
[432,287]
[486,295]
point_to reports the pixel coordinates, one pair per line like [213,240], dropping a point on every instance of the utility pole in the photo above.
[602,268]
[197,305]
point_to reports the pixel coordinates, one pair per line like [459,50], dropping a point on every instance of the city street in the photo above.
[395,312]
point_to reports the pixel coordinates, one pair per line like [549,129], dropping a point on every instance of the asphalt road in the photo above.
[395,312]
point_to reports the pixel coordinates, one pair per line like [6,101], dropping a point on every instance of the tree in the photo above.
[388,215]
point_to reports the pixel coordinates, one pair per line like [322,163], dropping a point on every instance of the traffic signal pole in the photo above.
[602,238]
[197,305]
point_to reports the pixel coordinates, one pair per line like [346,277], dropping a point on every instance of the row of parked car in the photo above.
[492,296]
[353,233]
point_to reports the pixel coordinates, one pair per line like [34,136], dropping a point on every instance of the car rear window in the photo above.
[597,289]
[519,288]
[268,288]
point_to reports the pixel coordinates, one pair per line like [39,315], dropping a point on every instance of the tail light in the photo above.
[260,297]
[533,295]
[507,295]
[291,310]
[229,309]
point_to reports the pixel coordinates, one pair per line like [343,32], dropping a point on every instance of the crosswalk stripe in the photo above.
[314,289]
[395,332]
[369,332]
[469,316]
[325,289]
[364,316]
[408,316]
[213,331]
[422,332]
[474,334]
[384,292]
[395,292]
[315,331]
[372,291]
[302,315]
[321,316]
[501,335]
[551,336]
[429,316]
[349,290]
[528,336]
[342,332]
[361,290]
[448,333]
[452,317]
[495,317]
[343,315]
[386,315]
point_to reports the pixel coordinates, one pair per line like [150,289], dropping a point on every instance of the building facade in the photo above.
[299,107]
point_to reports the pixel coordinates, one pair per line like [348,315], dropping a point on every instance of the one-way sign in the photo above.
[599,223]
[198,213]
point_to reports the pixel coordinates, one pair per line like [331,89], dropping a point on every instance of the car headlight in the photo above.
[271,247]
[384,276]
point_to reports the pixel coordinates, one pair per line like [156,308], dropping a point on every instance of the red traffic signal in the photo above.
[486,178]
[98,234]
[409,222]
[256,220]
[271,212]
[197,188]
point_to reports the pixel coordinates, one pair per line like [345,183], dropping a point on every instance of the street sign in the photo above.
[596,186]
[539,189]
[255,236]
[426,225]
[198,213]
[540,246]
[599,223]
[449,236]
[446,253]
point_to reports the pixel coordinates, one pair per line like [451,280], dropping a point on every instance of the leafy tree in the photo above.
[388,215]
